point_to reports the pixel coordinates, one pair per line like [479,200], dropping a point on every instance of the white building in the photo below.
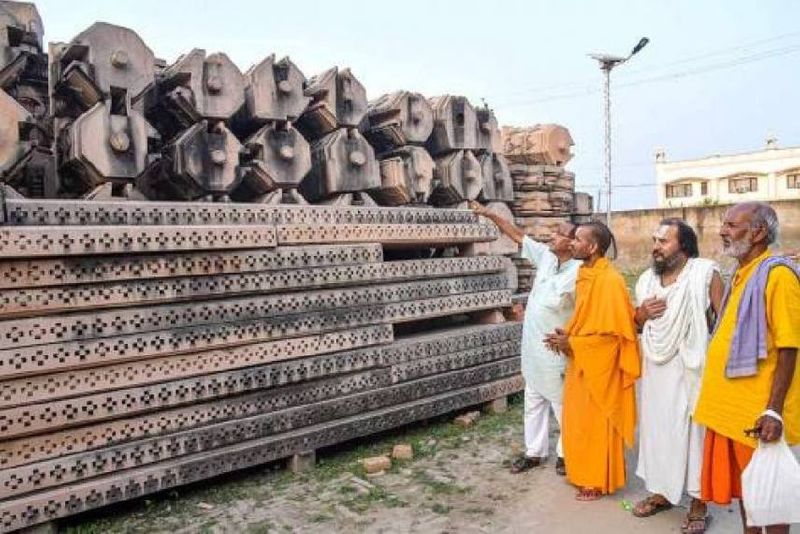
[769,174]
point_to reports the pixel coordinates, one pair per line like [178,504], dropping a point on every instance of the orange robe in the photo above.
[599,397]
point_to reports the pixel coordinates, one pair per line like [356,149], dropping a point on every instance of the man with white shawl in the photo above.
[676,298]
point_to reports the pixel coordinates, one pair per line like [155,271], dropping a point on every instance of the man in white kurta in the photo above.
[550,305]
[674,298]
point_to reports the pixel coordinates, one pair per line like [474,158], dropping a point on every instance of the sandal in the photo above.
[561,467]
[651,506]
[524,463]
[695,525]
[588,494]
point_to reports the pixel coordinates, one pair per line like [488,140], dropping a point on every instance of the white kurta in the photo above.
[673,346]
[550,305]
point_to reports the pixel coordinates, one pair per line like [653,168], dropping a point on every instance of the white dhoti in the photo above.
[673,346]
[670,444]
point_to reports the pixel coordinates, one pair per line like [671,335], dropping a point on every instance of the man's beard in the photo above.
[666,264]
[737,249]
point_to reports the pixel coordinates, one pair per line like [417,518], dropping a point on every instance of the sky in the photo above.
[717,76]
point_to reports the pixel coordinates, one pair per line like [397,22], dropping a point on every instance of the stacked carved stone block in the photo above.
[398,125]
[544,191]
[465,144]
[146,345]
[101,117]
[25,130]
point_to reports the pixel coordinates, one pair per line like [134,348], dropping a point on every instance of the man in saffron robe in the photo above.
[603,364]
[751,382]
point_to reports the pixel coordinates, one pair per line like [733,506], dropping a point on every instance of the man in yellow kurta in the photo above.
[751,379]
[602,367]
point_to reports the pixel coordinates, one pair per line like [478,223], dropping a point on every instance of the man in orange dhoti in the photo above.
[751,378]
[603,364]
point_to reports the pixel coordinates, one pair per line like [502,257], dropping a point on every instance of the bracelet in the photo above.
[773,414]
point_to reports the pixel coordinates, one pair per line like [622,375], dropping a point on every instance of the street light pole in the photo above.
[607,167]
[608,62]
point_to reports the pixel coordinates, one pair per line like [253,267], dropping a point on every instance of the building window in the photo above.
[743,185]
[703,188]
[679,190]
[793,181]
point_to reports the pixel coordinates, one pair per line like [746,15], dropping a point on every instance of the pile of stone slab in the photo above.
[544,191]
[147,345]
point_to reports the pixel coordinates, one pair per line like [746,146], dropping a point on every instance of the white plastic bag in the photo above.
[771,486]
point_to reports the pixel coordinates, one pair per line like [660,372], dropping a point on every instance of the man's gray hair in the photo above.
[764,215]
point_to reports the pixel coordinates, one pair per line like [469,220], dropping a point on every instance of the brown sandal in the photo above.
[588,494]
[524,463]
[651,506]
[695,525]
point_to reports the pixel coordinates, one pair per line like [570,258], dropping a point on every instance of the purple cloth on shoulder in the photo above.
[749,342]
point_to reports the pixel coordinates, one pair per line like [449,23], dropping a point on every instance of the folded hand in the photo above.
[558,341]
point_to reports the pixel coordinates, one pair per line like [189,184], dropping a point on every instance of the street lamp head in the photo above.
[608,62]
[638,48]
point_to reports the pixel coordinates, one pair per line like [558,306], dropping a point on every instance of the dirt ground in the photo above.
[457,482]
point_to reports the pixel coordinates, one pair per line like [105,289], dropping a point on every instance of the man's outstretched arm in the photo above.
[507,227]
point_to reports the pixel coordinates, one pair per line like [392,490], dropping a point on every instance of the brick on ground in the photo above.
[403,451]
[375,464]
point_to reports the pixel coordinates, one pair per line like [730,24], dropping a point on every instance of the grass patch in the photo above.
[362,503]
[439,487]
[320,518]
[259,528]
[97,527]
[479,511]
[439,508]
